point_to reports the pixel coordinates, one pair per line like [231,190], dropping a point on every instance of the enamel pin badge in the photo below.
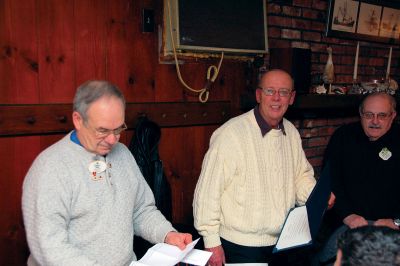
[385,154]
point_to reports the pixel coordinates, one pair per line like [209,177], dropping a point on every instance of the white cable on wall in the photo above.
[212,71]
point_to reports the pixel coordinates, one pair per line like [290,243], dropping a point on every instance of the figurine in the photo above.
[329,74]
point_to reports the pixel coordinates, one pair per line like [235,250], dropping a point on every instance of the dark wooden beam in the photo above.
[38,119]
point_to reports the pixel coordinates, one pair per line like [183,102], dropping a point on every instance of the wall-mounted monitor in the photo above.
[233,26]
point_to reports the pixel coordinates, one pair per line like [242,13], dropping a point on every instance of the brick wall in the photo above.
[302,24]
[315,134]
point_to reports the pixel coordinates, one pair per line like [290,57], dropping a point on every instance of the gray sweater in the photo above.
[75,218]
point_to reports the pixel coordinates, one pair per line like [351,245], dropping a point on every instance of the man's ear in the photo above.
[77,120]
[292,96]
[258,95]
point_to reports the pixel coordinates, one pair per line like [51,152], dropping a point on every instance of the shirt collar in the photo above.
[264,127]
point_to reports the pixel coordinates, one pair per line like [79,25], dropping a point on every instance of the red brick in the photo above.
[274,9]
[309,132]
[316,161]
[309,123]
[377,61]
[301,24]
[336,122]
[344,69]
[291,34]
[319,26]
[343,78]
[303,3]
[311,14]
[312,36]
[274,32]
[326,131]
[291,11]
[296,123]
[279,21]
[313,152]
[302,45]
[316,47]
[347,60]
[277,43]
[319,141]
[320,5]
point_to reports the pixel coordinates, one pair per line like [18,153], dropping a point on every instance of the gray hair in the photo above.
[391,99]
[90,92]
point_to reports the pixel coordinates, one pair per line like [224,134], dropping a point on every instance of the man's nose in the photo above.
[276,96]
[112,138]
[375,120]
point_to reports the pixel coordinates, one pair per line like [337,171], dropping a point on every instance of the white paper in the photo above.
[197,257]
[163,254]
[296,230]
[246,264]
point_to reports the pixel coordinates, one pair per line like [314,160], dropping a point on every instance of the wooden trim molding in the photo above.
[39,119]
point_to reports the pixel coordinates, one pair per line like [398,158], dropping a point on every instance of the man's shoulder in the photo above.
[237,121]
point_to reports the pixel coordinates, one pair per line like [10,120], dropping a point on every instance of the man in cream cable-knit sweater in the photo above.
[84,197]
[254,172]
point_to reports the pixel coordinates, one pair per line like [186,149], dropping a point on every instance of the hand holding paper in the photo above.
[163,254]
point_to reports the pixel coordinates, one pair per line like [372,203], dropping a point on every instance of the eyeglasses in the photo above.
[271,92]
[103,132]
[379,116]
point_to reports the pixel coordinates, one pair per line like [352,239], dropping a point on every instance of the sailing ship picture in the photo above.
[369,19]
[345,15]
[364,20]
[390,25]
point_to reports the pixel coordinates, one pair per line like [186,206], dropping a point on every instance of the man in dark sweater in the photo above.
[364,159]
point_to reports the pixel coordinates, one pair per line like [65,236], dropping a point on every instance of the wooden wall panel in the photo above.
[182,151]
[15,159]
[56,50]
[90,40]
[49,47]
[18,57]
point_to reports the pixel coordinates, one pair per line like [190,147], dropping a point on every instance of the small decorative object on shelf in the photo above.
[355,88]
[320,89]
[393,85]
[329,73]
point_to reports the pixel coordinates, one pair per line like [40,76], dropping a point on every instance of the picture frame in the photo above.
[368,20]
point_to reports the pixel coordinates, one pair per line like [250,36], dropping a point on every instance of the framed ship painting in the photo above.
[373,20]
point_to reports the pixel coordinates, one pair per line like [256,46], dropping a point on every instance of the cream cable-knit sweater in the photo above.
[71,219]
[248,183]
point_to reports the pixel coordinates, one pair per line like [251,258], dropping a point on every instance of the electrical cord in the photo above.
[212,71]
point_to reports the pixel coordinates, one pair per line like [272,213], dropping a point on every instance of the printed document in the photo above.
[163,254]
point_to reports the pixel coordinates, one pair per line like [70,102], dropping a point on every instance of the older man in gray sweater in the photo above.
[84,197]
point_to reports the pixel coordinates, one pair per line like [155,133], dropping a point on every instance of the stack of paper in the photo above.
[167,255]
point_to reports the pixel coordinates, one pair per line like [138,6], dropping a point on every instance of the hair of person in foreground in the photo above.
[369,246]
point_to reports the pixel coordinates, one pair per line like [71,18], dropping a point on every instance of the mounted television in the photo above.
[233,26]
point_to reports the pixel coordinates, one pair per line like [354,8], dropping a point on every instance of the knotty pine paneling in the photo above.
[56,50]
[91,27]
[18,52]
[48,48]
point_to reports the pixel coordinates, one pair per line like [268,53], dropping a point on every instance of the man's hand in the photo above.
[178,239]
[331,201]
[218,256]
[354,220]
[386,222]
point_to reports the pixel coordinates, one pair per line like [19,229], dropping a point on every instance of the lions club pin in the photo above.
[385,154]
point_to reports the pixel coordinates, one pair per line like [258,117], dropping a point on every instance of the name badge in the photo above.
[96,168]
